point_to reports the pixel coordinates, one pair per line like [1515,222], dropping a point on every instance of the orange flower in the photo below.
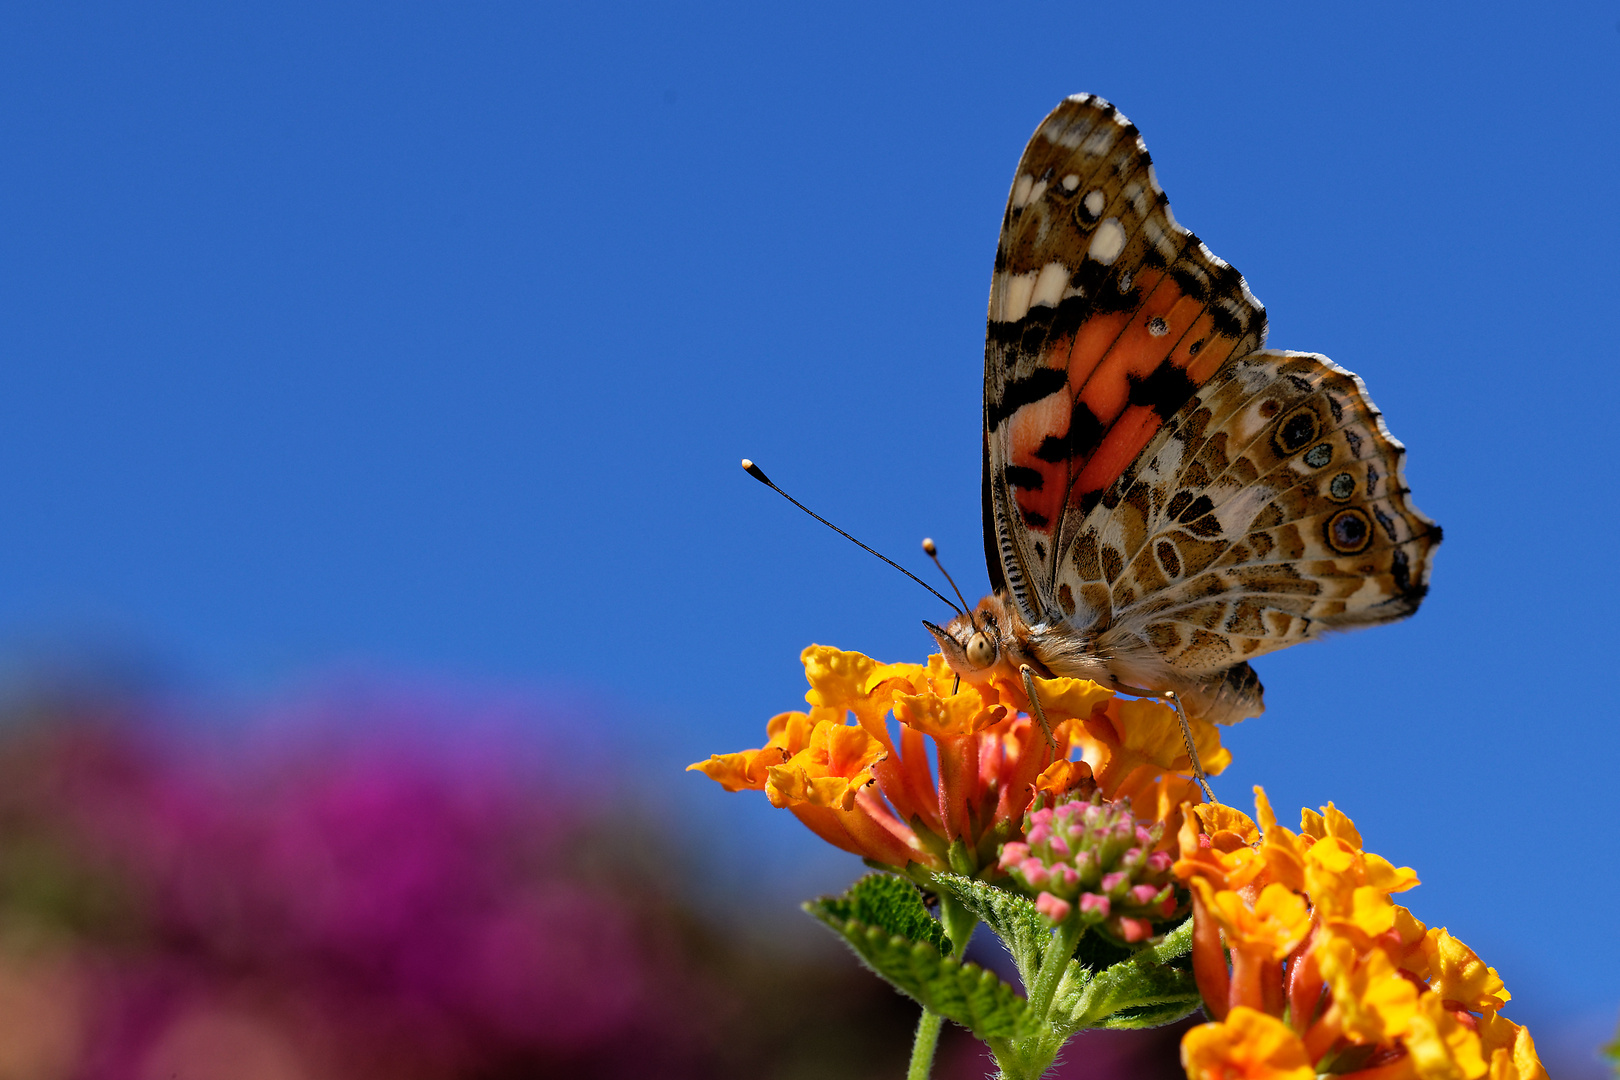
[1374,1002]
[1441,1046]
[1459,975]
[1511,1051]
[1317,945]
[830,771]
[1276,923]
[878,789]
[1247,1045]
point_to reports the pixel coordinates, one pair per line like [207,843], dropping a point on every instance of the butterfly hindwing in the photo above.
[1105,317]
[1272,508]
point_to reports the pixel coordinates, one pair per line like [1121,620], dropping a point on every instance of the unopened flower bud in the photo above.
[1091,860]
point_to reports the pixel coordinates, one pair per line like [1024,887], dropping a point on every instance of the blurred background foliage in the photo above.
[365,888]
[402,900]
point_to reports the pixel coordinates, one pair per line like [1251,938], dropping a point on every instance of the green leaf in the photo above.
[965,993]
[1153,987]
[888,902]
[1151,1016]
[1024,930]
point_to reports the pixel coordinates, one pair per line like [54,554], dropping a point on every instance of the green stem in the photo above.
[959,924]
[1053,966]
[923,1046]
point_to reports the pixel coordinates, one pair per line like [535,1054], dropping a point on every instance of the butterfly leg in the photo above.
[1035,704]
[1192,751]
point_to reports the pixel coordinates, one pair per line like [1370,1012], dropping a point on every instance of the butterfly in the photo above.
[1164,498]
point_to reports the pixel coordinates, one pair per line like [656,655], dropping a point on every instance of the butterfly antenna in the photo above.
[933,553]
[759,474]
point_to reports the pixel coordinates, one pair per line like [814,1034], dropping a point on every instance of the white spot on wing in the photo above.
[1098,142]
[1107,242]
[1049,286]
[1071,181]
[1095,201]
[1013,292]
[1156,237]
[1020,191]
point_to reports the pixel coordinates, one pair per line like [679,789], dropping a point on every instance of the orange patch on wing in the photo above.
[1119,448]
[1135,355]
[1104,357]
[1026,431]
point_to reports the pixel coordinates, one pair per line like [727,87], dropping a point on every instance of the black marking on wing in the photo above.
[1165,389]
[1196,509]
[1022,476]
[1038,385]
[1085,434]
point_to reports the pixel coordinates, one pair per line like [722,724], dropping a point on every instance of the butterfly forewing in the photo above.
[1163,499]
[1105,316]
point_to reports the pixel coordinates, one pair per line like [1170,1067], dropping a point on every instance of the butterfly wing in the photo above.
[1105,317]
[1271,509]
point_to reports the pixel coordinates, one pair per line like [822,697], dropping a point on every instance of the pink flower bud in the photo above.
[1110,882]
[1053,907]
[1013,854]
[1134,930]
[1093,904]
[1143,894]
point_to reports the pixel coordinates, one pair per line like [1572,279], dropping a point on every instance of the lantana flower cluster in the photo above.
[1327,973]
[1093,860]
[867,786]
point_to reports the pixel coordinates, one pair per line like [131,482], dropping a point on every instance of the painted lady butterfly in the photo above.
[1164,499]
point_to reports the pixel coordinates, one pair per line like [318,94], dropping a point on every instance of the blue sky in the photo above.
[423,340]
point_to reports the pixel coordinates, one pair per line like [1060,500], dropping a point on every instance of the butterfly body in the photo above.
[1164,499]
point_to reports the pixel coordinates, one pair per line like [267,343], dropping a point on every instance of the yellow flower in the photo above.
[1071,697]
[1247,1045]
[788,732]
[1278,921]
[1126,738]
[848,681]
[963,713]
[1457,974]
[1331,821]
[1510,1050]
[1440,1045]
[830,771]
[1350,888]
[1064,776]
[1224,852]
[1226,827]
[881,790]
[1368,987]
[1374,1001]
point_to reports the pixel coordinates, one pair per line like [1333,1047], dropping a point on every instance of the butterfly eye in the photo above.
[981,653]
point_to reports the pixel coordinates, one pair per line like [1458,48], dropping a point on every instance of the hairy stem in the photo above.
[959,924]
[923,1046]
[1053,966]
